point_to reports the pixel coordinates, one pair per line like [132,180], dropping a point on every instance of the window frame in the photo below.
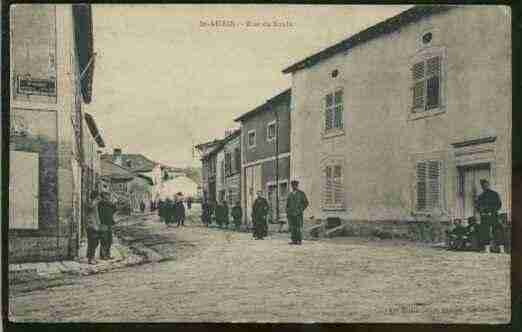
[252,131]
[423,56]
[333,130]
[274,124]
[430,207]
[338,197]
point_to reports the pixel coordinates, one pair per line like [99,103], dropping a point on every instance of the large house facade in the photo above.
[51,76]
[402,120]
[265,150]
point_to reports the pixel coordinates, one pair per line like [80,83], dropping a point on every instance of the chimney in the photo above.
[116,157]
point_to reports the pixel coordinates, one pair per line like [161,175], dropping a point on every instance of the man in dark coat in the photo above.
[220,213]
[170,211]
[205,218]
[259,212]
[189,203]
[180,210]
[106,210]
[225,214]
[237,214]
[488,204]
[296,203]
[161,210]
[211,210]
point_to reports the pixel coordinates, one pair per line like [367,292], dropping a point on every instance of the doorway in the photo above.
[468,188]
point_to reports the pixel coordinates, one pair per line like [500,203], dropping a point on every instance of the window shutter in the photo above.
[339,117]
[338,186]
[327,190]
[434,194]
[421,186]
[237,157]
[418,71]
[328,118]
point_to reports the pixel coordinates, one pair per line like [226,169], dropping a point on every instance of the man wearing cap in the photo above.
[488,204]
[296,203]
[259,212]
[106,210]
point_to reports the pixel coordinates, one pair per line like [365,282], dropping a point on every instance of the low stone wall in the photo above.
[38,249]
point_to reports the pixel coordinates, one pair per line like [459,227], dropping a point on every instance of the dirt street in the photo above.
[220,276]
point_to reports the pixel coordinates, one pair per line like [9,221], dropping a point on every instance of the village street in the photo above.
[218,276]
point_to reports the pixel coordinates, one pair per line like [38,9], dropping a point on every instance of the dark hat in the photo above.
[294,182]
[482,181]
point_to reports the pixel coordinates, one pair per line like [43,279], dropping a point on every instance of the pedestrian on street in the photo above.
[106,209]
[189,203]
[491,230]
[161,210]
[170,211]
[296,203]
[220,214]
[180,210]
[237,214]
[142,206]
[225,214]
[205,219]
[259,213]
[93,227]
[211,210]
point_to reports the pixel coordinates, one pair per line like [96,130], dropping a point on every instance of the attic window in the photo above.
[426,38]
[335,73]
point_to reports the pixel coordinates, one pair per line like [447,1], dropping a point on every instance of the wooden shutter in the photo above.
[421,186]
[338,189]
[327,189]
[433,83]
[418,86]
[434,194]
[237,159]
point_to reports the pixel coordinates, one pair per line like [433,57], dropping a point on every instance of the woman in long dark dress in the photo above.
[180,210]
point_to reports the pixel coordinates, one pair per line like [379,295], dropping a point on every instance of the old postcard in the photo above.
[260,163]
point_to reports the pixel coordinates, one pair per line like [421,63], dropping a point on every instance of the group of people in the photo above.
[221,213]
[296,203]
[100,219]
[485,232]
[172,211]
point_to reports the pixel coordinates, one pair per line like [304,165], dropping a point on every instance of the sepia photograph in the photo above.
[261,163]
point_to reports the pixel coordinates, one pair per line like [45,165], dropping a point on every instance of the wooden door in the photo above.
[470,189]
[23,190]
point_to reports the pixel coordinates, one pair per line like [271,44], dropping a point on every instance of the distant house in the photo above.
[208,153]
[228,173]
[400,121]
[142,188]
[265,149]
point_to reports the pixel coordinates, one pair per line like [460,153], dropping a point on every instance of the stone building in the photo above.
[265,149]
[399,122]
[208,156]
[51,71]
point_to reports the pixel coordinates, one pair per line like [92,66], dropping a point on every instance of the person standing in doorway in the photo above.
[205,213]
[260,210]
[296,203]
[106,210]
[93,227]
[488,204]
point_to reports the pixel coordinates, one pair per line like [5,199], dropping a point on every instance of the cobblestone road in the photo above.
[226,276]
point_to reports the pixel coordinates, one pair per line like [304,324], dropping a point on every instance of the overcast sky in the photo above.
[162,82]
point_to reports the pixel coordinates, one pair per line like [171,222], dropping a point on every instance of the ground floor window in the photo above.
[428,189]
[333,186]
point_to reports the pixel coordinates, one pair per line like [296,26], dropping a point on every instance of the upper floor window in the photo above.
[333,112]
[251,138]
[237,159]
[228,163]
[428,193]
[426,89]
[271,131]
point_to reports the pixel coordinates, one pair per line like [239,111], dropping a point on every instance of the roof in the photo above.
[146,178]
[113,171]
[218,147]
[277,98]
[411,15]
[83,36]
[138,162]
[94,130]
